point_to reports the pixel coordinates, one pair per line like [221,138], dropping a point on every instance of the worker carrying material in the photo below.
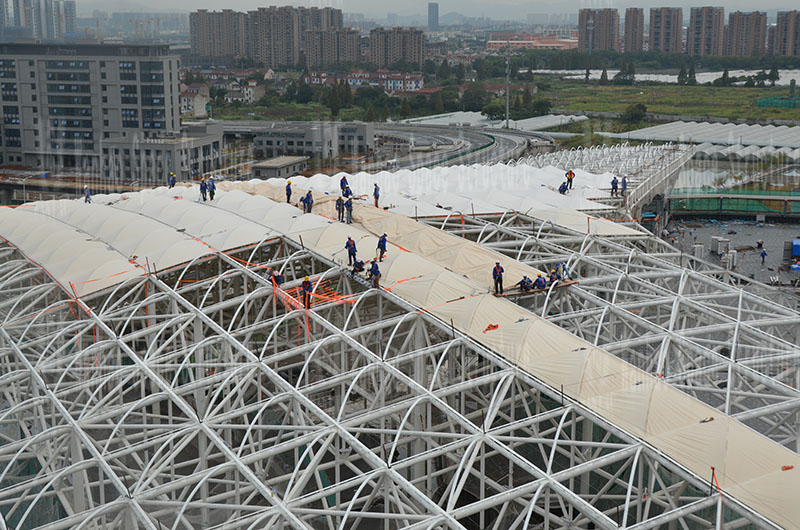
[381,246]
[497,274]
[306,288]
[540,282]
[570,175]
[350,247]
[375,274]
[525,284]
[340,209]
[288,191]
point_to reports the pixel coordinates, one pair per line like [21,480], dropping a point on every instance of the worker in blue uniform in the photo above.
[375,274]
[348,210]
[524,284]
[376,193]
[497,275]
[350,247]
[306,288]
[553,277]
[340,209]
[540,282]
[381,247]
[288,191]
[343,183]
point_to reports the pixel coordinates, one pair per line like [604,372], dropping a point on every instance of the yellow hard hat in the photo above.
[553,270]
[539,274]
[306,278]
[288,182]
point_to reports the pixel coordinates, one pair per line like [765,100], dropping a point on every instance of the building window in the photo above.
[105,123]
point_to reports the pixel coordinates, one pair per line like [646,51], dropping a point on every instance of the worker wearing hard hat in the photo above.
[306,288]
[540,282]
[288,191]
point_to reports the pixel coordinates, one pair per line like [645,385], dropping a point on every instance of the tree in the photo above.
[691,77]
[529,76]
[291,92]
[429,67]
[304,92]
[541,106]
[345,94]
[405,109]
[586,77]
[773,74]
[494,111]
[444,70]
[475,97]
[438,104]
[682,76]
[334,103]
[370,114]
[725,80]
[526,97]
[604,77]
[517,105]
[631,73]
[482,71]
[460,73]
[634,113]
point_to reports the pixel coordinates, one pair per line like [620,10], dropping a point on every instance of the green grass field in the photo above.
[728,102]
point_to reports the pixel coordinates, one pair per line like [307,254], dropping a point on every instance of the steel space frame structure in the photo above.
[722,338]
[204,397]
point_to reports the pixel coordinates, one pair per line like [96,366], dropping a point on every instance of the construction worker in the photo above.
[376,193]
[348,210]
[553,276]
[343,184]
[288,191]
[375,274]
[524,284]
[540,282]
[497,274]
[563,188]
[350,247]
[340,209]
[212,188]
[614,186]
[309,201]
[381,246]
[624,185]
[306,288]
[203,188]
[570,175]
[87,194]
[763,256]
[347,192]
[275,278]
[171,180]
[358,266]
[562,271]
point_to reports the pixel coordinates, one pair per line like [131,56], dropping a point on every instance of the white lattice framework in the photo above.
[203,397]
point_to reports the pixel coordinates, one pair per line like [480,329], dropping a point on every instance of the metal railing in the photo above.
[657,181]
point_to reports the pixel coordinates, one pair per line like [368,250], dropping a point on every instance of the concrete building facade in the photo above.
[393,45]
[706,33]
[433,16]
[634,29]
[598,29]
[746,34]
[281,166]
[786,37]
[316,140]
[218,33]
[62,105]
[666,29]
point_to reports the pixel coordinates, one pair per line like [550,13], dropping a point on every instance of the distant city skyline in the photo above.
[508,9]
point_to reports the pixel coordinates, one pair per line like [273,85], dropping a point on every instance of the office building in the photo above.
[394,45]
[315,140]
[433,16]
[746,34]
[666,29]
[634,29]
[706,33]
[63,106]
[786,37]
[329,47]
[281,166]
[598,29]
[218,33]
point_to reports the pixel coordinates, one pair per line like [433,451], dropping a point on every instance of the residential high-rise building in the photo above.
[634,29]
[786,37]
[327,47]
[70,25]
[706,33]
[390,46]
[274,36]
[103,109]
[45,20]
[598,29]
[218,33]
[433,16]
[666,29]
[746,34]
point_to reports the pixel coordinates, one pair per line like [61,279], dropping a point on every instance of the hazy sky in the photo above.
[511,9]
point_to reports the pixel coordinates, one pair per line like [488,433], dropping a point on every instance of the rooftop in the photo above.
[279,162]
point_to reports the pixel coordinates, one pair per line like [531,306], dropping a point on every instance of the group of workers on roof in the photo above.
[618,188]
[527,284]
[374,272]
